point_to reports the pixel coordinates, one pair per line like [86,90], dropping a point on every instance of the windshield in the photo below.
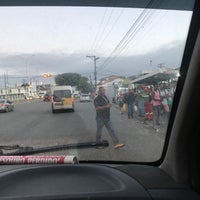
[127,60]
[62,93]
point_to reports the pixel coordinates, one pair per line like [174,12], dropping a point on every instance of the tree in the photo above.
[68,79]
[84,86]
[24,84]
[74,79]
[126,82]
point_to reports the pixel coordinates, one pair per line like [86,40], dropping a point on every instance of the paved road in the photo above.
[33,124]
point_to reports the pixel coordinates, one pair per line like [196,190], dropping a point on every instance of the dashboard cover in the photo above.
[69,181]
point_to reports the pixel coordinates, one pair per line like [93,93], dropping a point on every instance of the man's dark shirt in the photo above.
[102,101]
[130,98]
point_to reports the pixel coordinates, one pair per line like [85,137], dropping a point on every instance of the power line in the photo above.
[101,24]
[128,40]
[145,33]
[103,30]
[115,22]
[100,30]
[128,33]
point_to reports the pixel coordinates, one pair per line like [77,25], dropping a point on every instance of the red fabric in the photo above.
[148,111]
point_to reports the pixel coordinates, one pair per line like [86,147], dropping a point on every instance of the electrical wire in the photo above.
[112,27]
[143,17]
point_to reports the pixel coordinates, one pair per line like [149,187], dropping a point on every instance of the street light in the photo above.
[94,58]
[47,75]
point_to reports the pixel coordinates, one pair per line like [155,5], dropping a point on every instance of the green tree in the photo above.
[84,86]
[74,79]
[126,82]
[24,84]
[68,79]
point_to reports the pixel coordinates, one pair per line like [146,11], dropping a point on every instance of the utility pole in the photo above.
[161,65]
[5,83]
[94,58]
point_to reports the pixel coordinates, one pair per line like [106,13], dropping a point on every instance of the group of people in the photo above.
[150,101]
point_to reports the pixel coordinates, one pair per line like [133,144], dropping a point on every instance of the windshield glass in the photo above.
[62,93]
[126,59]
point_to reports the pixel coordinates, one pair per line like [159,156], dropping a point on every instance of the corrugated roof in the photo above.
[156,77]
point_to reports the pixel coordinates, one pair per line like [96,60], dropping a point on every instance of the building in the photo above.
[111,84]
[16,93]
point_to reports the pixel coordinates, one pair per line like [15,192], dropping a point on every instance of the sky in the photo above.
[38,40]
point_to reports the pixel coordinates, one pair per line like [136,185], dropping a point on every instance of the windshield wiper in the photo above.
[18,150]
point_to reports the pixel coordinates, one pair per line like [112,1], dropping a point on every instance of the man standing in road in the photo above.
[102,106]
[130,100]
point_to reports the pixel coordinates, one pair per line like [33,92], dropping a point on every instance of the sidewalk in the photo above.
[162,128]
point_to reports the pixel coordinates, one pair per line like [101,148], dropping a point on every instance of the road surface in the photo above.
[33,124]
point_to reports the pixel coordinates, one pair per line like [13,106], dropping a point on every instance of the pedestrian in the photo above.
[142,97]
[148,108]
[164,94]
[120,103]
[102,106]
[130,100]
[156,102]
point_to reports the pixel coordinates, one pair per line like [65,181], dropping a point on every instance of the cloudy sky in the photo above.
[38,40]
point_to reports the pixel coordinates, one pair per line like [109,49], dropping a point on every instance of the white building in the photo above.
[111,84]
[17,93]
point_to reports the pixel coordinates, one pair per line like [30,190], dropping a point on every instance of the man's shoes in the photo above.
[118,146]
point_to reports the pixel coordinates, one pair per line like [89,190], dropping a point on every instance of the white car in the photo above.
[6,105]
[85,98]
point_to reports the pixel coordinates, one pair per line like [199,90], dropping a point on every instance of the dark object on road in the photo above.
[47,97]
[30,150]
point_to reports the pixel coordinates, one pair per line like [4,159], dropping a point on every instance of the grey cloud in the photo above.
[170,55]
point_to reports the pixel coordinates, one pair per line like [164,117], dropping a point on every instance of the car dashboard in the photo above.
[89,181]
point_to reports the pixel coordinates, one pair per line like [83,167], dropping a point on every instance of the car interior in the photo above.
[176,175]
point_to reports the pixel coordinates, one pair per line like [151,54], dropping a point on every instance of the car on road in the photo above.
[47,97]
[62,98]
[41,94]
[29,98]
[85,98]
[6,105]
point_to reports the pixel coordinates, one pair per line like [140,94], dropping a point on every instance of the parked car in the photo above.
[85,98]
[6,105]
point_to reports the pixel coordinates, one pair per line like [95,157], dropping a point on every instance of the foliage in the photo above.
[74,79]
[24,84]
[126,82]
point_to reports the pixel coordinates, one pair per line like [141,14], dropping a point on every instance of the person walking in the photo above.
[102,106]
